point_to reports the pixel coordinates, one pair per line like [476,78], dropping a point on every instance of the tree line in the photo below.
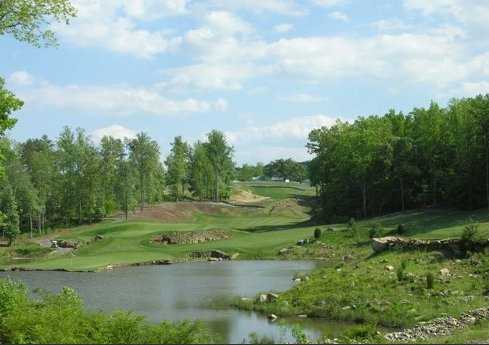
[71,181]
[435,156]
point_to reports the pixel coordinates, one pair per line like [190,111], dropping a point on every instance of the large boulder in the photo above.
[384,243]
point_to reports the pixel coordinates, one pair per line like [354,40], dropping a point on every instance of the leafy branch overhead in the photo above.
[30,20]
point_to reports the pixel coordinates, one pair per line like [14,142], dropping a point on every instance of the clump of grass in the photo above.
[430,281]
[401,276]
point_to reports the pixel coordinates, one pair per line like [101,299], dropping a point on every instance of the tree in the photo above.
[220,158]
[144,155]
[178,167]
[11,218]
[286,169]
[111,151]
[29,20]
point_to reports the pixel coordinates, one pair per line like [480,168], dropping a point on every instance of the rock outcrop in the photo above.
[402,243]
[192,237]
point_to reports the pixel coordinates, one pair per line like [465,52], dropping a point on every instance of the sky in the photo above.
[265,72]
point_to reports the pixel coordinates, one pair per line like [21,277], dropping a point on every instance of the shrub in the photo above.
[401,229]
[400,271]
[470,233]
[375,231]
[317,233]
[430,281]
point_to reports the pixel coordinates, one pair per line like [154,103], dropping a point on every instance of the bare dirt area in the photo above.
[246,197]
[179,211]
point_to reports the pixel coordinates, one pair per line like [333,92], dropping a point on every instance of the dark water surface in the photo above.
[187,291]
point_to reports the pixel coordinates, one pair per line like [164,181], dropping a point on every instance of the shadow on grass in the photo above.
[279,227]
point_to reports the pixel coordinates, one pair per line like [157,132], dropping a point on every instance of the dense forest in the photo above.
[429,157]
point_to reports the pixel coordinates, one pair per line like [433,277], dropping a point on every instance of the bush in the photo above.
[401,229]
[430,281]
[375,231]
[317,233]
[470,233]
[400,271]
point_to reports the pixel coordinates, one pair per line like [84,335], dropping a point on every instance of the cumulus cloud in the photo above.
[329,3]
[284,7]
[111,24]
[119,100]
[20,78]
[295,128]
[114,131]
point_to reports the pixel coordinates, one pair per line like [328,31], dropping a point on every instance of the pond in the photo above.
[187,291]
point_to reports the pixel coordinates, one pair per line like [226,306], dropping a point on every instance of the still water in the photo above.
[187,291]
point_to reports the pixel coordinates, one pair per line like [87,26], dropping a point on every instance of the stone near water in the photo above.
[272,317]
[271,297]
[445,272]
[262,298]
[389,268]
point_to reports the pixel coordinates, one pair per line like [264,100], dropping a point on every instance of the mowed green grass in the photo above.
[278,190]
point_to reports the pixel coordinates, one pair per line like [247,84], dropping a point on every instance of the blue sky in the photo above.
[263,71]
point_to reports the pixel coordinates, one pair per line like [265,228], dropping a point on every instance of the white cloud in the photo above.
[302,98]
[471,89]
[20,78]
[432,58]
[116,100]
[295,128]
[329,3]
[391,25]
[100,23]
[114,131]
[469,12]
[337,15]
[285,7]
[154,9]
[282,28]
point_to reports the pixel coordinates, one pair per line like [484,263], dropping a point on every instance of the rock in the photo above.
[109,267]
[271,297]
[99,237]
[283,251]
[220,255]
[445,272]
[347,258]
[262,298]
[301,242]
[297,280]
[211,259]
[234,256]
[389,268]
[302,316]
[272,317]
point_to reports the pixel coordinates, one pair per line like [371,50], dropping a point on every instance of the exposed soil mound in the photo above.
[192,237]
[245,197]
[180,211]
[288,207]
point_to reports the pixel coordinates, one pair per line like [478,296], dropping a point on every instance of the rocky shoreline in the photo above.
[442,326]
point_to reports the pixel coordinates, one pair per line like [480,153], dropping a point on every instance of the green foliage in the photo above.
[256,339]
[286,169]
[470,233]
[375,231]
[29,20]
[400,272]
[178,163]
[62,319]
[380,164]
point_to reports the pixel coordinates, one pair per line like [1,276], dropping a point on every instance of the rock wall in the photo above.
[192,237]
[402,243]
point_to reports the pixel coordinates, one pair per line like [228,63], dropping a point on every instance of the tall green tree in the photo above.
[144,155]
[177,164]
[219,154]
